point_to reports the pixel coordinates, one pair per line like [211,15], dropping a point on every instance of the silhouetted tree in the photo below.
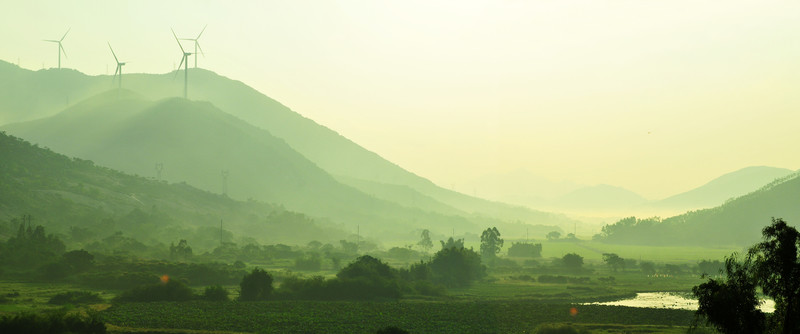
[525,250]
[257,285]
[182,250]
[425,241]
[452,243]
[731,305]
[572,261]
[456,267]
[614,261]
[776,267]
[648,268]
[491,243]
[553,235]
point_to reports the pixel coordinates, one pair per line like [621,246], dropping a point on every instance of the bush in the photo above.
[54,323]
[216,293]
[75,297]
[257,285]
[309,262]
[172,290]
[525,250]
[457,267]
[558,329]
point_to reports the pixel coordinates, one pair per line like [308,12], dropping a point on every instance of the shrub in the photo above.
[53,323]
[215,293]
[75,297]
[257,285]
[456,267]
[309,262]
[172,290]
[559,329]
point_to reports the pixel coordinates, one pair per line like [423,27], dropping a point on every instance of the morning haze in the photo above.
[409,167]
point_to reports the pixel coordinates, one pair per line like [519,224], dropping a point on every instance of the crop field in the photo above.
[511,316]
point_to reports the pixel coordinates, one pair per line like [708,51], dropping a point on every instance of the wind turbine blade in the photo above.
[179,67]
[65,34]
[115,73]
[201,32]
[112,52]
[50,40]
[199,48]
[177,40]
[61,47]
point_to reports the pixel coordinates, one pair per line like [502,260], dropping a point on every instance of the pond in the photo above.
[671,300]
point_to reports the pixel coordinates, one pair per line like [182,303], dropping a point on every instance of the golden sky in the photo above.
[654,96]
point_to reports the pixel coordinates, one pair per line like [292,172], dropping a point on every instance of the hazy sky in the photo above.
[654,96]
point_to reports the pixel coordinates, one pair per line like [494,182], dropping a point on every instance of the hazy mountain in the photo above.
[599,198]
[725,187]
[737,222]
[195,142]
[327,149]
[520,187]
[64,193]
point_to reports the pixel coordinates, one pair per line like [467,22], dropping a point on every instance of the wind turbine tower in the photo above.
[184,60]
[60,47]
[119,66]
[197,45]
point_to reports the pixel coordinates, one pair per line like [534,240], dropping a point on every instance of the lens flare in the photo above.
[573,311]
[164,279]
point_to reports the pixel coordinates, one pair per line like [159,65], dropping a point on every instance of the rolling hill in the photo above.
[195,142]
[64,193]
[737,222]
[27,95]
[725,187]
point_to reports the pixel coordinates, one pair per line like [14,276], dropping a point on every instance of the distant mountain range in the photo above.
[270,152]
[737,222]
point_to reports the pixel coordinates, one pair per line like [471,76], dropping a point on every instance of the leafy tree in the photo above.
[572,261]
[425,241]
[491,243]
[215,293]
[771,265]
[367,267]
[456,267]
[452,243]
[614,261]
[525,250]
[732,305]
[777,271]
[554,235]
[257,285]
[78,260]
[648,268]
[171,290]
[708,267]
[181,251]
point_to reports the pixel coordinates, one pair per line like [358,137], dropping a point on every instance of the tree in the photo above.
[731,306]
[257,285]
[78,260]
[771,265]
[553,235]
[614,261]
[452,243]
[648,268]
[572,261]
[456,267]
[491,243]
[777,270]
[425,241]
[182,250]
[520,249]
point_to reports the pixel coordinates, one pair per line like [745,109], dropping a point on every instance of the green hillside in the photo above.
[737,222]
[64,193]
[195,142]
[725,187]
[337,155]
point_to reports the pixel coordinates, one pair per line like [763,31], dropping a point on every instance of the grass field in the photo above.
[510,316]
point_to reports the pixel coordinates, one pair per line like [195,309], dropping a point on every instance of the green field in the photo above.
[511,316]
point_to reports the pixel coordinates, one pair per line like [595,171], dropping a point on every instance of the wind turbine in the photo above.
[119,67]
[184,60]
[197,45]
[60,47]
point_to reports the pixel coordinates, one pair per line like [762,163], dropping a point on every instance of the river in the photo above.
[671,300]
